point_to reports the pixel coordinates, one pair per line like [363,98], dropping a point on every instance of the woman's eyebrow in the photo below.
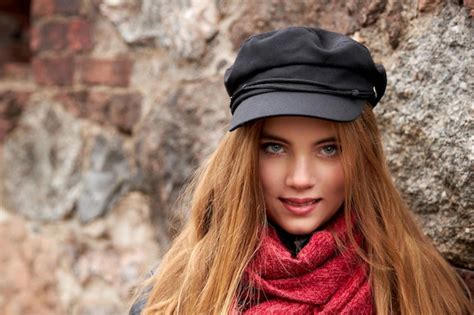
[267,136]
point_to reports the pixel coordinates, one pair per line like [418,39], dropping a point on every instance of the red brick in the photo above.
[12,104]
[122,110]
[42,7]
[74,102]
[16,70]
[80,35]
[119,109]
[53,70]
[97,107]
[111,72]
[51,35]
[67,7]
[35,38]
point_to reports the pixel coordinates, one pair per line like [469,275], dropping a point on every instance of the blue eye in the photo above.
[329,150]
[272,148]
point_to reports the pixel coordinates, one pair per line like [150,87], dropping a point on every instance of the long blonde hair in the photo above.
[201,272]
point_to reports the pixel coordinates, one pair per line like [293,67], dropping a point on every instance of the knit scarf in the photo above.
[319,280]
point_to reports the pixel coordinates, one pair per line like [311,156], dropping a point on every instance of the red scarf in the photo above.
[319,280]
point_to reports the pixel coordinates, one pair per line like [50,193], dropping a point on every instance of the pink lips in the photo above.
[300,206]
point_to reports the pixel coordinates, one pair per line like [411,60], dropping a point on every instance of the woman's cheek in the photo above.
[333,176]
[270,170]
[264,173]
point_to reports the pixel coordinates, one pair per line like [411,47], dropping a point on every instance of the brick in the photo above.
[97,107]
[53,70]
[42,7]
[35,38]
[51,35]
[109,72]
[79,35]
[119,109]
[67,7]
[74,102]
[12,104]
[122,110]
[16,70]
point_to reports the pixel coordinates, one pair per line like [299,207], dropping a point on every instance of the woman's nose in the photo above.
[300,174]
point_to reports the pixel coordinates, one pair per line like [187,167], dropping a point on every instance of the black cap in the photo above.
[302,71]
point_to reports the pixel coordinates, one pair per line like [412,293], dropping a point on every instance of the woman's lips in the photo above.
[300,206]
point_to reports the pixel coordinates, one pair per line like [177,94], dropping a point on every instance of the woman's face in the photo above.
[301,172]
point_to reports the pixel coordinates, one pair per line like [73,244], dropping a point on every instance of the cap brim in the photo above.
[325,106]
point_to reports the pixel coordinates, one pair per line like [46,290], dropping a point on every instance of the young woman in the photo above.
[296,212]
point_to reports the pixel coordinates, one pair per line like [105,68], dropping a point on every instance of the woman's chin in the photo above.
[298,229]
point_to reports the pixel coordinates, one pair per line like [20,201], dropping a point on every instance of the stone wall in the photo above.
[122,99]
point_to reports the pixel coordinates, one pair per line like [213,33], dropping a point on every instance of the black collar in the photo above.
[294,243]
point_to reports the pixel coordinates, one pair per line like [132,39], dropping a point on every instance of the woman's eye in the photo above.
[329,150]
[273,148]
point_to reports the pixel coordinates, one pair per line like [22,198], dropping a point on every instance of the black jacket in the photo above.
[140,302]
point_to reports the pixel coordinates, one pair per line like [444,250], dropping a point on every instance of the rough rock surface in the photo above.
[341,16]
[70,268]
[181,26]
[43,154]
[427,124]
[191,121]
[104,179]
[27,285]
[11,107]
